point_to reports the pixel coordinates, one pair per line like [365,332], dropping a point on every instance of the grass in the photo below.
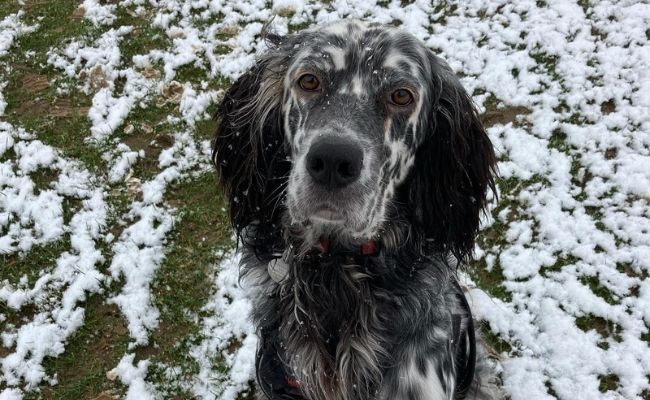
[183,283]
[491,280]
[608,382]
[497,345]
[93,350]
[60,121]
[604,327]
[33,263]
[57,22]
[598,289]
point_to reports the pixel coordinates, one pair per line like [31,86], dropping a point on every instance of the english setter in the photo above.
[356,168]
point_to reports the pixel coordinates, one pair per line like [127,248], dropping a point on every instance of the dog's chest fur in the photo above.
[341,322]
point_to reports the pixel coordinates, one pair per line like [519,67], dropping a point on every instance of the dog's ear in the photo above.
[454,167]
[248,149]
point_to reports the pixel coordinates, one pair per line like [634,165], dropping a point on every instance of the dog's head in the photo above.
[349,126]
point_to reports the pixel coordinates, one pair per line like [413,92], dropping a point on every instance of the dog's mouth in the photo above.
[348,211]
[327,214]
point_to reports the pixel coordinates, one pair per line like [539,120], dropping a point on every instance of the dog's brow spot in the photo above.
[345,28]
[337,56]
[392,60]
[400,62]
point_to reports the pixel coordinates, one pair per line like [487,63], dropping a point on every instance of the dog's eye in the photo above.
[309,82]
[401,97]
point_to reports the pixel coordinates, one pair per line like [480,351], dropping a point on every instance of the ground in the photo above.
[117,274]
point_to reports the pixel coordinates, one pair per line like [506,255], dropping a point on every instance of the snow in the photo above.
[575,229]
[31,217]
[229,310]
[11,28]
[98,14]
[134,376]
[137,254]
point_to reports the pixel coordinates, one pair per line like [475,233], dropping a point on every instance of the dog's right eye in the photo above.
[401,97]
[309,82]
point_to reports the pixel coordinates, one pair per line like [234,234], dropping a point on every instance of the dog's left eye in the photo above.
[309,82]
[401,97]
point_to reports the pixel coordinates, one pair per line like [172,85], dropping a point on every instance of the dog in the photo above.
[356,168]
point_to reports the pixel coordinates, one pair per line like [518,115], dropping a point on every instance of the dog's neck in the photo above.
[306,238]
[368,248]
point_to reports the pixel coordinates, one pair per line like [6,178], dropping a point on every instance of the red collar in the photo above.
[369,248]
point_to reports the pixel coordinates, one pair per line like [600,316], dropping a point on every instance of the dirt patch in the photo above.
[59,108]
[165,337]
[106,395]
[493,115]
[79,13]
[171,93]
[608,107]
[230,30]
[611,153]
[35,82]
[150,72]
[112,326]
[152,144]
[94,77]
[31,4]
[63,108]
[631,272]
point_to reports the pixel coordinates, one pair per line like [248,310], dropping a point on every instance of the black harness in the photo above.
[272,378]
[465,350]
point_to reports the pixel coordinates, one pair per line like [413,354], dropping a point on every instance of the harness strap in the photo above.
[271,376]
[465,353]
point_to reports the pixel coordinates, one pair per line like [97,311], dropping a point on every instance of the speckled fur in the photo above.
[351,327]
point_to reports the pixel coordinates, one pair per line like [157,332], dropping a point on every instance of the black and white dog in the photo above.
[356,168]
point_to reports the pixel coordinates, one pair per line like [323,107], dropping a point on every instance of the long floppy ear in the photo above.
[454,167]
[248,149]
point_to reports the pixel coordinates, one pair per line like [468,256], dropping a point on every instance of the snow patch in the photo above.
[229,322]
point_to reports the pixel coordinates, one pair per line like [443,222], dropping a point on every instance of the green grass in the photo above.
[91,352]
[183,283]
[490,280]
[606,328]
[599,290]
[493,341]
[608,382]
[59,121]
[33,263]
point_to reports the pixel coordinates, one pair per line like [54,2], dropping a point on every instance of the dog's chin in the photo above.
[326,217]
[323,216]
[328,222]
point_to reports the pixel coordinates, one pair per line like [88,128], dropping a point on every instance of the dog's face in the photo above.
[346,126]
[355,99]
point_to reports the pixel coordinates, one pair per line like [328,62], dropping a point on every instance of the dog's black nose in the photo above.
[334,162]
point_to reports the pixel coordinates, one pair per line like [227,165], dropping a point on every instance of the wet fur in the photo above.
[350,327]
